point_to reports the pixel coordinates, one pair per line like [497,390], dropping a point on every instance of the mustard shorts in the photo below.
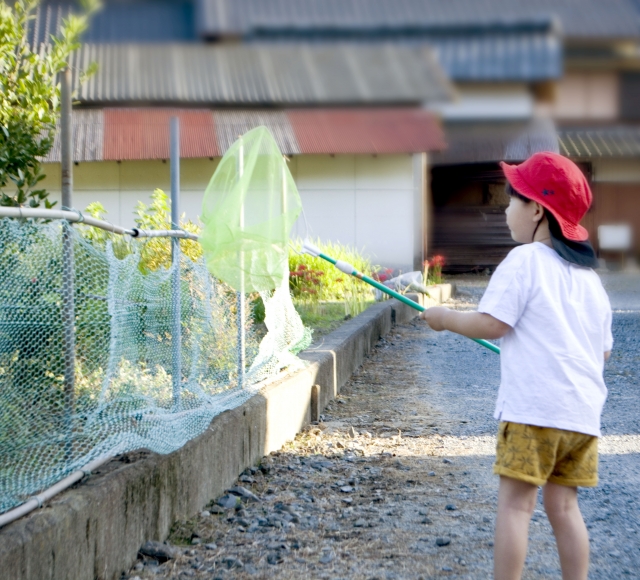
[537,455]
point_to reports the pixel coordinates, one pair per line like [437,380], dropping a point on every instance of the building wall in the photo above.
[364,201]
[615,203]
[587,96]
[616,171]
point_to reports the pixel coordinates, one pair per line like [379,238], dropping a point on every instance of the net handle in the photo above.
[309,248]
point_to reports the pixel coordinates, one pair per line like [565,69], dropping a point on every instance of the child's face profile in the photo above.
[522,219]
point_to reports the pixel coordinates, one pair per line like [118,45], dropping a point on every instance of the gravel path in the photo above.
[396,482]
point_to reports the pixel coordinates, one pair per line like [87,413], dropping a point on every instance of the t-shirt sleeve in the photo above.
[509,288]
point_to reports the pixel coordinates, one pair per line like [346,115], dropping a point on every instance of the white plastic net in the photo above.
[123,395]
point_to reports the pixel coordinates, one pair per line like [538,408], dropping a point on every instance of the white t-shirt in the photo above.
[552,360]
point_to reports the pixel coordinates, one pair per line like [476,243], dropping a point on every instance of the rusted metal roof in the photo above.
[259,75]
[365,131]
[600,142]
[230,124]
[125,134]
[144,133]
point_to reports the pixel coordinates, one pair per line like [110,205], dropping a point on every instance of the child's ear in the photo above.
[538,214]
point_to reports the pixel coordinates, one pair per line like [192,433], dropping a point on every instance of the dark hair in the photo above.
[580,253]
[512,192]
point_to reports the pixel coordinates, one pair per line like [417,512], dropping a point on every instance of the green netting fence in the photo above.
[123,396]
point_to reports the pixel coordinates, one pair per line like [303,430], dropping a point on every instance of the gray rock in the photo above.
[228,501]
[159,551]
[247,479]
[431,473]
[352,433]
[211,546]
[205,514]
[275,558]
[232,562]
[450,507]
[445,460]
[360,523]
[327,558]
[216,509]
[443,541]
[244,493]
[346,489]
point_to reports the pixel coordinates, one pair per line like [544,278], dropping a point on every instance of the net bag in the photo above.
[249,208]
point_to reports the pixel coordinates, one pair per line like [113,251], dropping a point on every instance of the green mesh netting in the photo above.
[248,211]
[124,396]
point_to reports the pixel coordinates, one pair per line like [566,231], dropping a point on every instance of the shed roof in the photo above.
[579,18]
[600,142]
[143,133]
[259,75]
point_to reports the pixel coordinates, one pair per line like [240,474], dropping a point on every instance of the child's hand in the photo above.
[435,317]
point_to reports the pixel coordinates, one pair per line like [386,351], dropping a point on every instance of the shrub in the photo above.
[314,280]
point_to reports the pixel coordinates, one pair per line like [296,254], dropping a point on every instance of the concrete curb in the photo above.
[93,531]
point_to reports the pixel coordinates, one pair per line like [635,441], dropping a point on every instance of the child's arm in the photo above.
[607,355]
[470,324]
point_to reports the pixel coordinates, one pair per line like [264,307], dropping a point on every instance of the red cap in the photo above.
[556,184]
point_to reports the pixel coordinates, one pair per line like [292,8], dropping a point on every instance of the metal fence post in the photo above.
[68,285]
[240,294]
[176,333]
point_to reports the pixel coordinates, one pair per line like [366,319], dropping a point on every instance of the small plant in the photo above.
[383,275]
[433,270]
[305,283]
[317,286]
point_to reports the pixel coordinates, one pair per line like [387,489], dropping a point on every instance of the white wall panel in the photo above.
[384,227]
[331,215]
[361,201]
[324,171]
[384,172]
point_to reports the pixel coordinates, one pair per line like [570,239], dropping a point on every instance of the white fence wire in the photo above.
[122,394]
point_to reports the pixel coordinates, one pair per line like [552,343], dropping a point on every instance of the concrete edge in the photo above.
[94,530]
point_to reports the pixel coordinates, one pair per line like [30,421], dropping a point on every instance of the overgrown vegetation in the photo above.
[30,98]
[324,296]
[156,252]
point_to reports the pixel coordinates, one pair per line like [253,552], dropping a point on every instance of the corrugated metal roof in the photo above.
[260,74]
[230,124]
[144,133]
[88,137]
[526,50]
[127,134]
[382,131]
[600,142]
[579,18]
[499,56]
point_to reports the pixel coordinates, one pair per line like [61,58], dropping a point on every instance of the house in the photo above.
[350,118]
[519,68]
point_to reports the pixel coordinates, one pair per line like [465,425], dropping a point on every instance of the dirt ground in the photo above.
[396,483]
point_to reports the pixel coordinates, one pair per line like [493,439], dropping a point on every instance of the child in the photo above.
[554,318]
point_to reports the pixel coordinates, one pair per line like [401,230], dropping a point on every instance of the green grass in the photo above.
[325,317]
